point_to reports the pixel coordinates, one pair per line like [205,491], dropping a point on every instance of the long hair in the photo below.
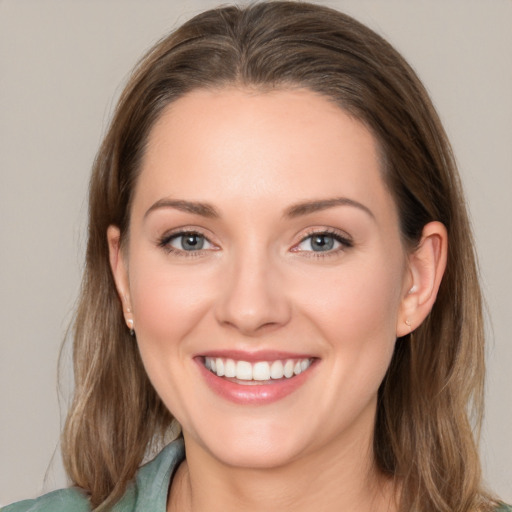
[430,402]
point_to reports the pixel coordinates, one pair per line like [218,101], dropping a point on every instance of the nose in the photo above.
[253,297]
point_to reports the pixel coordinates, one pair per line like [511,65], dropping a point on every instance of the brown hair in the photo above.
[434,386]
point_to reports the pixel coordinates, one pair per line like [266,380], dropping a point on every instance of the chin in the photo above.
[254,456]
[257,446]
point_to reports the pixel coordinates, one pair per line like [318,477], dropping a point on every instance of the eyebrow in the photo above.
[202,209]
[296,210]
[308,207]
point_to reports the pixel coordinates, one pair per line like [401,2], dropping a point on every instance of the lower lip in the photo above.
[254,392]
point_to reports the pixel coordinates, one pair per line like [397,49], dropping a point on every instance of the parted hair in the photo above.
[430,402]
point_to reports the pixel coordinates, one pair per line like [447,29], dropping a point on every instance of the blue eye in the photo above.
[187,242]
[323,242]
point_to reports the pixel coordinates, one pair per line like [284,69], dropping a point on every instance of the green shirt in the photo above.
[148,493]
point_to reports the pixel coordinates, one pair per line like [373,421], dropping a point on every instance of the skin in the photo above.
[258,285]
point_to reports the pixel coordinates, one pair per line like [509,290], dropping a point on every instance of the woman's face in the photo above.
[264,245]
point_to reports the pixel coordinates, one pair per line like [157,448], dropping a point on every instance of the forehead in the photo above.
[260,147]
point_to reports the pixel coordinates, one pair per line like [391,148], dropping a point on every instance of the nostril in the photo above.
[251,326]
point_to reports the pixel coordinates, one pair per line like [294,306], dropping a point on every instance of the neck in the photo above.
[348,481]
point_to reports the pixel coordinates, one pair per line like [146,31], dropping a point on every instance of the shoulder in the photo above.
[148,492]
[63,500]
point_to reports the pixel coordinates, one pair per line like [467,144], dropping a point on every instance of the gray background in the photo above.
[62,64]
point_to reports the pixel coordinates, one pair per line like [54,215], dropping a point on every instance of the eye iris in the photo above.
[322,243]
[192,242]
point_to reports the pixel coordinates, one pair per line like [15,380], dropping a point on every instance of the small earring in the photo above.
[130,326]
[413,289]
[408,322]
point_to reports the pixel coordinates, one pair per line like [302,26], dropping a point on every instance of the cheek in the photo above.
[356,315]
[357,318]
[167,302]
[361,299]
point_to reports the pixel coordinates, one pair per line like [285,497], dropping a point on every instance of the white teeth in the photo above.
[243,370]
[288,368]
[230,368]
[259,371]
[219,363]
[277,370]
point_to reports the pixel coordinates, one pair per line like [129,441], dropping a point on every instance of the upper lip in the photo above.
[254,356]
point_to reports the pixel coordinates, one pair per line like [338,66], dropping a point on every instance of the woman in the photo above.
[279,258]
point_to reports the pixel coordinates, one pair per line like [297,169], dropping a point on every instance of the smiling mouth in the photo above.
[258,372]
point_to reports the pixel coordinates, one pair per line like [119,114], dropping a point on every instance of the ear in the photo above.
[427,264]
[120,272]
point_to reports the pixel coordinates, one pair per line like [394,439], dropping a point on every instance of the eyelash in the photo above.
[344,241]
[165,243]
